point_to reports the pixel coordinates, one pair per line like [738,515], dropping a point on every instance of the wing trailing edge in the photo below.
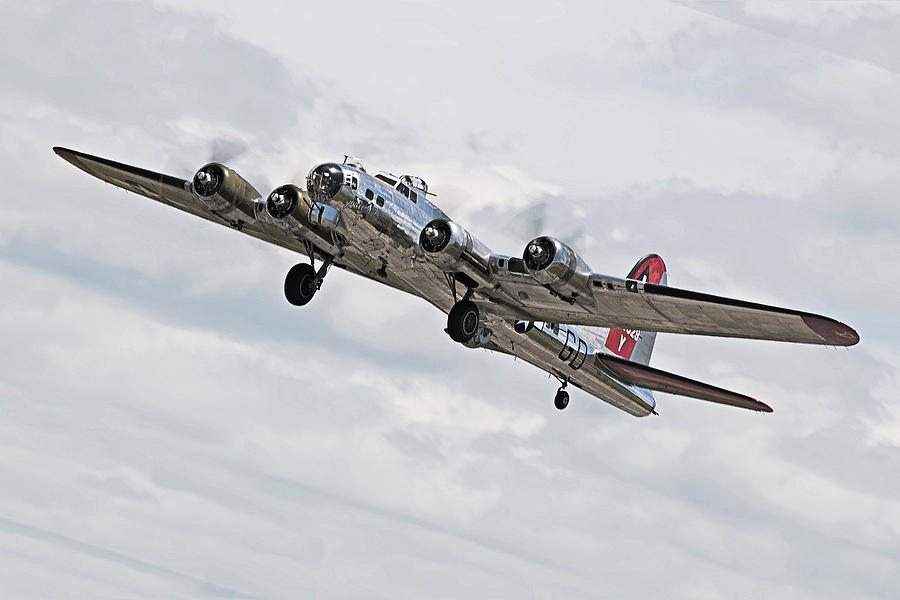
[658,380]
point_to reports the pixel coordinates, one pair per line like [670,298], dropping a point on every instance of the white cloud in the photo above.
[170,427]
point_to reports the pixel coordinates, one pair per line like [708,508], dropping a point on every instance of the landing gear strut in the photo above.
[303,280]
[562,396]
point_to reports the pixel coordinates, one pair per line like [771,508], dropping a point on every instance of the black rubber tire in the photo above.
[463,321]
[300,284]
[562,399]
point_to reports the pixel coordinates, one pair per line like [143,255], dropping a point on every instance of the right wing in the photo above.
[172,191]
[169,190]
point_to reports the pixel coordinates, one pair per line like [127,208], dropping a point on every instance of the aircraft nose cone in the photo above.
[325,181]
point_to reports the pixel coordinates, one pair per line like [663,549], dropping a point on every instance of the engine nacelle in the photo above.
[223,190]
[444,243]
[283,207]
[283,201]
[454,250]
[558,267]
[290,208]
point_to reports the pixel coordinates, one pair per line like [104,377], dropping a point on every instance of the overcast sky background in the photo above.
[171,427]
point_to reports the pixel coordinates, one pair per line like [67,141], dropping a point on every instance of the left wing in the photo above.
[631,304]
[552,284]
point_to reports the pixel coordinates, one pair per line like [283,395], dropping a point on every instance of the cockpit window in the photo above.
[413,196]
[386,179]
[403,189]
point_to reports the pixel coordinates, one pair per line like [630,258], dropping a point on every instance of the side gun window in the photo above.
[379,201]
[517,265]
[369,195]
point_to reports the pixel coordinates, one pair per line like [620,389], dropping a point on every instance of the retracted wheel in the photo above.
[562,399]
[463,321]
[301,284]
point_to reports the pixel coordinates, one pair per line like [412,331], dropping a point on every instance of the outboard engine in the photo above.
[556,266]
[220,189]
[454,250]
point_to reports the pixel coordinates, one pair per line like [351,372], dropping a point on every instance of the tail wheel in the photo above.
[562,399]
[463,321]
[301,284]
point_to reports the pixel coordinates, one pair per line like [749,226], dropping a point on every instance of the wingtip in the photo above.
[763,407]
[71,157]
[65,154]
[833,332]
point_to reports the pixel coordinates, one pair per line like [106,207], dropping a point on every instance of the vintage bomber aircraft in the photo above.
[547,307]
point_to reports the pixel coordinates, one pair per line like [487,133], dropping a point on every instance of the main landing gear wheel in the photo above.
[301,284]
[463,321]
[562,399]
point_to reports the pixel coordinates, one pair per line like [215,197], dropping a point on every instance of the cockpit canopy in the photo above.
[407,185]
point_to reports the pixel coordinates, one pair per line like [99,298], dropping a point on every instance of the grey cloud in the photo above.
[165,412]
[863,32]
[196,586]
[146,65]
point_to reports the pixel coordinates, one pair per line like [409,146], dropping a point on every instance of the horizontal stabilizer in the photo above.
[655,379]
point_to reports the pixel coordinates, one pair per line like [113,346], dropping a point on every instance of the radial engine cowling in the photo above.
[288,207]
[221,189]
[280,206]
[557,266]
[454,250]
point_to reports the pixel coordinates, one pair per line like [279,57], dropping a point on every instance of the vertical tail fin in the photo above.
[631,344]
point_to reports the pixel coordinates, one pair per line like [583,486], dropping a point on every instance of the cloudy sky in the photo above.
[171,427]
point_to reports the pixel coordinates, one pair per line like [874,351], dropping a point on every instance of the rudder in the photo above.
[631,344]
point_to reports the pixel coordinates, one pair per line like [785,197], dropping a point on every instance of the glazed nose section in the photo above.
[325,181]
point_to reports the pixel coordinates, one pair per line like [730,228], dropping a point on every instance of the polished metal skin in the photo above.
[547,308]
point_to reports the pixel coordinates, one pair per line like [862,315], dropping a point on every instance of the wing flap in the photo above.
[662,381]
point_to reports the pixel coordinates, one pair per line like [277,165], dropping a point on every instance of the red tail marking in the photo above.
[622,341]
[649,269]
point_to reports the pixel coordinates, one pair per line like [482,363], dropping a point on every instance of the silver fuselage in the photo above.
[375,232]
